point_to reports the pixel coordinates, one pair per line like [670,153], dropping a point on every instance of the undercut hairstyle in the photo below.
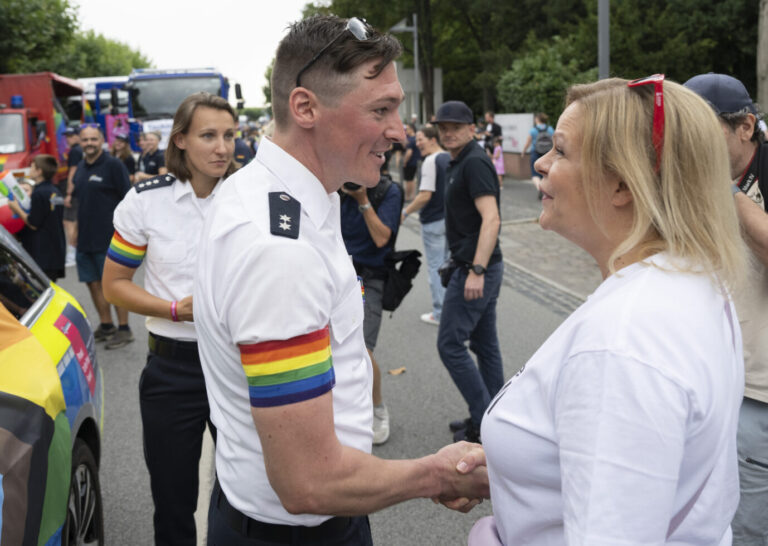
[175,157]
[734,119]
[429,132]
[542,117]
[47,165]
[686,208]
[330,77]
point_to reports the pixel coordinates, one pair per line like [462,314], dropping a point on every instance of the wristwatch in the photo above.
[363,208]
[478,269]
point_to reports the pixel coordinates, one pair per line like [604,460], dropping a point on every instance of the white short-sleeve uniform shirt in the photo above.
[622,426]
[279,320]
[160,225]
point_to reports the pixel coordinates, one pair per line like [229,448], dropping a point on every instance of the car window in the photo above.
[19,286]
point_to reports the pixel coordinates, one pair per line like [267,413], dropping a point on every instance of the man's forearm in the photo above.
[486,241]
[380,232]
[419,202]
[360,483]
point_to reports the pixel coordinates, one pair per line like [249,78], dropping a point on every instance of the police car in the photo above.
[51,411]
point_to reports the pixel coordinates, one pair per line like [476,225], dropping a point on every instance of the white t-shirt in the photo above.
[290,306]
[166,221]
[623,420]
[428,180]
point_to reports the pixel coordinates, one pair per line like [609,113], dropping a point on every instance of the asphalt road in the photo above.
[544,281]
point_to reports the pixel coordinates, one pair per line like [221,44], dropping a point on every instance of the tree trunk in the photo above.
[762,56]
[426,62]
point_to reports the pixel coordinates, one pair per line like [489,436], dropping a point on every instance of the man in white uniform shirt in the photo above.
[279,309]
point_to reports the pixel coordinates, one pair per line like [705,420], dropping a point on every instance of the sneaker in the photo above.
[380,425]
[70,258]
[456,426]
[120,339]
[469,434]
[102,334]
[429,318]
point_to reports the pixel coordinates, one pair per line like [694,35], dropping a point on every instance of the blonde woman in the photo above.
[621,429]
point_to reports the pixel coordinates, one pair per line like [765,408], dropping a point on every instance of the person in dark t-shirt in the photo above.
[152,159]
[43,235]
[101,182]
[472,223]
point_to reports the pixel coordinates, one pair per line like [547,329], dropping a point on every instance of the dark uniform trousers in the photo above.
[174,412]
[229,527]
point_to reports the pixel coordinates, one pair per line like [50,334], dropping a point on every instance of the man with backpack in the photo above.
[539,143]
[748,155]
[370,219]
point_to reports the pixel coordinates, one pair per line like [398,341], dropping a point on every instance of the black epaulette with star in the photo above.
[159,181]
[284,215]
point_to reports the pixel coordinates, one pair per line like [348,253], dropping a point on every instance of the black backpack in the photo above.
[543,142]
[402,266]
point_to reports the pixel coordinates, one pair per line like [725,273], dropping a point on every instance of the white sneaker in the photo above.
[380,425]
[70,259]
[429,318]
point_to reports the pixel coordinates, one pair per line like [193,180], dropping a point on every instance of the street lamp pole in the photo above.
[402,26]
[603,39]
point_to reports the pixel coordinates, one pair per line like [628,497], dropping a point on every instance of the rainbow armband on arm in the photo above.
[289,371]
[124,253]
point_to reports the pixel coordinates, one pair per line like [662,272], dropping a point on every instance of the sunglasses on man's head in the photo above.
[359,29]
[658,111]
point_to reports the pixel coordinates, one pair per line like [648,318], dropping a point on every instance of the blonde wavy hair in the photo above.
[686,208]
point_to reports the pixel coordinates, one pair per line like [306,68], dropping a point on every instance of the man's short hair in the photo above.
[47,165]
[327,77]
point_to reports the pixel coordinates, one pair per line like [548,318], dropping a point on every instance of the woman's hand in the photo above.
[184,309]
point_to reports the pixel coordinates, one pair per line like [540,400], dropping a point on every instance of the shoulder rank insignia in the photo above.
[284,215]
[159,181]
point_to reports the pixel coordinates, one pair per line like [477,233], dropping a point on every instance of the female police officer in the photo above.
[160,220]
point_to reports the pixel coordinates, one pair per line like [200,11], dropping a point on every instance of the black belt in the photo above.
[173,348]
[284,534]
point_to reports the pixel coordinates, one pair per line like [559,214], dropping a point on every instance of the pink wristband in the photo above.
[174,315]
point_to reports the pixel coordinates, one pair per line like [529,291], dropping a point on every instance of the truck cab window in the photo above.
[11,133]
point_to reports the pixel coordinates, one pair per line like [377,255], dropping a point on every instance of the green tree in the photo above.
[537,81]
[680,38]
[253,113]
[32,32]
[90,54]
[267,89]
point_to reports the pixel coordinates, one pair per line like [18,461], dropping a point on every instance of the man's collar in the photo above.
[301,184]
[464,151]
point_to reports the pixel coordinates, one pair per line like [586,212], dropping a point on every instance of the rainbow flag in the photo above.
[125,253]
[88,113]
[289,371]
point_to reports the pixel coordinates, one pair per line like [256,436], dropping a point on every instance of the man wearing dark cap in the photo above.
[749,170]
[472,221]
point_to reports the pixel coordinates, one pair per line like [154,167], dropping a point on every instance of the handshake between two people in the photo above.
[465,476]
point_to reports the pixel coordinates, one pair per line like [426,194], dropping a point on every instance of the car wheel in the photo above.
[85,518]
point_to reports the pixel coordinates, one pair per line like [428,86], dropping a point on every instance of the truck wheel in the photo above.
[85,518]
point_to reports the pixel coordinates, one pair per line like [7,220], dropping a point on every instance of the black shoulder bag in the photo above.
[402,266]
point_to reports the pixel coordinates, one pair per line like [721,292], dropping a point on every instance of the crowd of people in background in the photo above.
[622,427]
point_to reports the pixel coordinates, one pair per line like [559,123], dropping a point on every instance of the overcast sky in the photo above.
[239,37]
